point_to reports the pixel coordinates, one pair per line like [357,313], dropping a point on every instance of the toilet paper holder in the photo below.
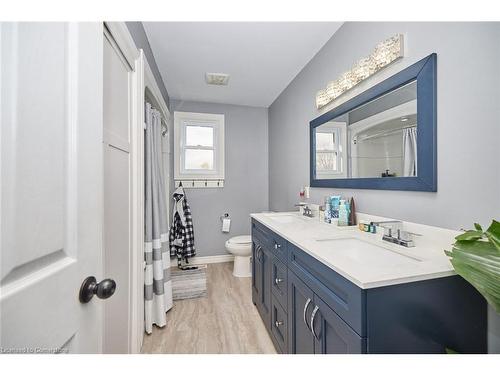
[225,216]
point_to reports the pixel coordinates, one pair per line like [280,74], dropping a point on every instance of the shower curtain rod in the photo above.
[164,125]
[386,132]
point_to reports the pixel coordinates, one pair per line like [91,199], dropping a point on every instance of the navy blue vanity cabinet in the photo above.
[307,307]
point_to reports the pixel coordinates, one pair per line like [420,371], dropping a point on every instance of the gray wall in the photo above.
[141,41]
[468,122]
[246,176]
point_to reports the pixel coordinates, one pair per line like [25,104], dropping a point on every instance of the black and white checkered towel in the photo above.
[181,234]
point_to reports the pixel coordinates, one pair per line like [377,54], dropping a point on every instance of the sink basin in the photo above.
[286,219]
[358,250]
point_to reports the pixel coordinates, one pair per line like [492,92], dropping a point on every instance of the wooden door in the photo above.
[51,186]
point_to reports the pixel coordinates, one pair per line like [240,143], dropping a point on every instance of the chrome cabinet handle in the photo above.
[277,281]
[313,315]
[277,323]
[277,246]
[305,310]
[258,252]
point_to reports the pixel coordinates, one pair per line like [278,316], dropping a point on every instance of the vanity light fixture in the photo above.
[384,54]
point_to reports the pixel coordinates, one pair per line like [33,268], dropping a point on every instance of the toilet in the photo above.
[241,248]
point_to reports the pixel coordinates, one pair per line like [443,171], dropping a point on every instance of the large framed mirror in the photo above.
[384,138]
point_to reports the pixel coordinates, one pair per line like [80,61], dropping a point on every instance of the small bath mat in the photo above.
[189,283]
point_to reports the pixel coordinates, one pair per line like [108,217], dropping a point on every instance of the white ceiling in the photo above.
[262,58]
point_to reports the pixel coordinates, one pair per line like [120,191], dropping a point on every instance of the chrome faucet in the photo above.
[403,237]
[306,211]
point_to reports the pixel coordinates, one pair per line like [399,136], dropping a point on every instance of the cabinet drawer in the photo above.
[279,326]
[344,297]
[278,246]
[279,281]
[262,233]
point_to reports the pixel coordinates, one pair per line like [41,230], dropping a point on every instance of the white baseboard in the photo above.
[206,260]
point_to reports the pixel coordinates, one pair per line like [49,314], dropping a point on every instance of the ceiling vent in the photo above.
[219,79]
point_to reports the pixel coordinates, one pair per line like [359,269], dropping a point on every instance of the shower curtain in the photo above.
[410,152]
[157,279]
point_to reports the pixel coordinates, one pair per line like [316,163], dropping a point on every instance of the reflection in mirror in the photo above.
[330,149]
[377,139]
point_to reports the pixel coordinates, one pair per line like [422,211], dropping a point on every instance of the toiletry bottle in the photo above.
[321,214]
[352,213]
[343,214]
[328,210]
[334,203]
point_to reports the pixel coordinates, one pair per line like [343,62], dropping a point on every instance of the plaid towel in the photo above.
[181,234]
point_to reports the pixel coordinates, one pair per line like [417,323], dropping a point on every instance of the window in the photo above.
[327,152]
[330,148]
[199,148]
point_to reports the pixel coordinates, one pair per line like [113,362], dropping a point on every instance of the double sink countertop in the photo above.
[364,258]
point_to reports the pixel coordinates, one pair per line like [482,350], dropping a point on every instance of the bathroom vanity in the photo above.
[325,289]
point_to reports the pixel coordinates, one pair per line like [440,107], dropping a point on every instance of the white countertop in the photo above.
[358,260]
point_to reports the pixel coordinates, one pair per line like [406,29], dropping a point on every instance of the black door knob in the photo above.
[105,289]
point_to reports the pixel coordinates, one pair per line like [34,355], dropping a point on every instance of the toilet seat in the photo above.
[240,240]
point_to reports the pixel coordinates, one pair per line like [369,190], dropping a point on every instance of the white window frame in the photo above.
[339,147]
[216,122]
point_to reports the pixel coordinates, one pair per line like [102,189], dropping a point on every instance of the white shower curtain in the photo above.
[157,279]
[410,152]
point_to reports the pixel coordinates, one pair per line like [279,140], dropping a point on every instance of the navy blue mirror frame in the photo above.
[425,73]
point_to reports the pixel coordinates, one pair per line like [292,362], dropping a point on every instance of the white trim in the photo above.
[149,89]
[123,40]
[151,84]
[207,260]
[137,159]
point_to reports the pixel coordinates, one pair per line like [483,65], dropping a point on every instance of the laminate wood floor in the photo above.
[225,321]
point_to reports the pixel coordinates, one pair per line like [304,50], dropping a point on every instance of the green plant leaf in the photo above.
[476,257]
[478,227]
[470,235]
[493,233]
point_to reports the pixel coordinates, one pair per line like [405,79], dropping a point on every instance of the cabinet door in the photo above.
[332,334]
[265,258]
[300,306]
[261,281]
[256,273]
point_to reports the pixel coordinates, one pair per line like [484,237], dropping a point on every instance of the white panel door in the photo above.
[51,185]
[117,194]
